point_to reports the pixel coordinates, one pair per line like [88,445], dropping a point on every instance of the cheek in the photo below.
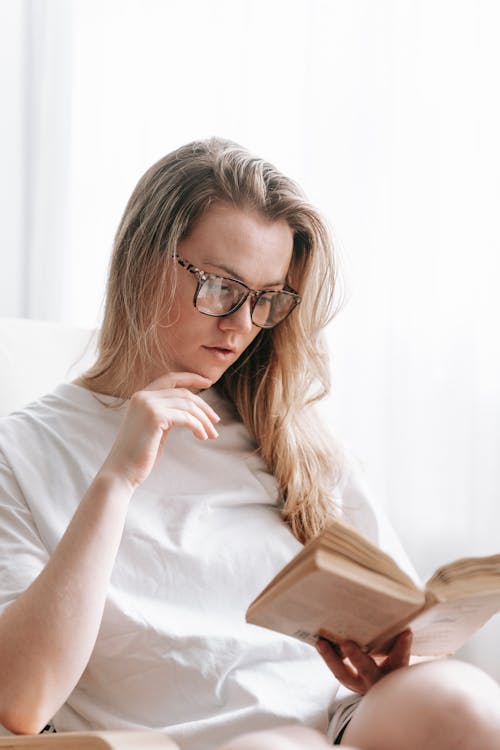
[252,336]
[182,311]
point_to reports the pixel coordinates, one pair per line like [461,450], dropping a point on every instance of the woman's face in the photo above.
[227,241]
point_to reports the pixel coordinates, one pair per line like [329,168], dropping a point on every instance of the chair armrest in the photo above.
[109,740]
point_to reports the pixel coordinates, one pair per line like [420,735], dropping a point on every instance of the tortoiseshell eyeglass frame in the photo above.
[255,294]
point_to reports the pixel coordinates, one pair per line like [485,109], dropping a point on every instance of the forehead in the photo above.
[245,243]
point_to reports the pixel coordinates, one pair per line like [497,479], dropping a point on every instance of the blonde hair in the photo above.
[277,380]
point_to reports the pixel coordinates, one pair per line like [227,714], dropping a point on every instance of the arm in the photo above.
[48,633]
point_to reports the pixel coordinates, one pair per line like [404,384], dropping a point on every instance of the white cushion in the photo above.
[37,355]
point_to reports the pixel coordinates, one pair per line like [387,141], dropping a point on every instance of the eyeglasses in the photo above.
[220,296]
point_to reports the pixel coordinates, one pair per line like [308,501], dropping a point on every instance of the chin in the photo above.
[215,377]
[212,374]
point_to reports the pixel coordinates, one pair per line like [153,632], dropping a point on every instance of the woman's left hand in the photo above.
[359,671]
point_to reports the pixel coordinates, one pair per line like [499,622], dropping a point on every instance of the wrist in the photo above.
[109,482]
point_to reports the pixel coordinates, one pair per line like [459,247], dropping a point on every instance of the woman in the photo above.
[148,503]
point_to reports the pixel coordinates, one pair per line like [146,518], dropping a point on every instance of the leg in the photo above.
[282,738]
[439,705]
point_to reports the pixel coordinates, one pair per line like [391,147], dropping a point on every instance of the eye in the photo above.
[263,301]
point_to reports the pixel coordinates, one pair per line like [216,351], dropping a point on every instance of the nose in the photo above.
[240,320]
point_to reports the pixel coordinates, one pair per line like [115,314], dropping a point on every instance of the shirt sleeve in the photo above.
[22,553]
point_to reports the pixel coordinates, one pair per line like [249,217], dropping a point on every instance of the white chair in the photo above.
[37,355]
[34,357]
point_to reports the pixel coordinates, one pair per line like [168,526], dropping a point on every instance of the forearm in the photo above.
[48,633]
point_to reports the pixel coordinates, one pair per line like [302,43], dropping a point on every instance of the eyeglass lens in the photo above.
[219,296]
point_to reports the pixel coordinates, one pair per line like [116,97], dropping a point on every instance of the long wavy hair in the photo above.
[277,380]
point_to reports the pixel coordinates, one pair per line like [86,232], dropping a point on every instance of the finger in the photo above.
[194,419]
[182,418]
[399,655]
[164,405]
[342,670]
[199,413]
[179,380]
[186,394]
[365,666]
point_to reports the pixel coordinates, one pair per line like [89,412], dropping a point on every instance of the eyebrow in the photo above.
[234,274]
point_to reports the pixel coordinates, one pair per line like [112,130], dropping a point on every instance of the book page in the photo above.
[445,627]
[466,576]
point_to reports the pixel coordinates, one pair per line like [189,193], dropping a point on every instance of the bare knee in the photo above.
[434,705]
[466,706]
[283,738]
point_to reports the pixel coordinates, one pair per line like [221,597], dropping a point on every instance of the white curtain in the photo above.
[388,113]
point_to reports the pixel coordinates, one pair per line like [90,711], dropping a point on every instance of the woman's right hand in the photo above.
[151,414]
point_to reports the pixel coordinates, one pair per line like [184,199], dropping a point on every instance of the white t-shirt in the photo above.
[203,536]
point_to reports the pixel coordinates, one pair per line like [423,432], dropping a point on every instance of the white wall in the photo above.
[12,173]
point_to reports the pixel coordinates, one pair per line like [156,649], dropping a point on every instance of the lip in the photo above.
[220,353]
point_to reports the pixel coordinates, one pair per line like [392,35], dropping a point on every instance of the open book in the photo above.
[342,587]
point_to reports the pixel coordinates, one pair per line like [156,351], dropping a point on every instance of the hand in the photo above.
[151,414]
[359,671]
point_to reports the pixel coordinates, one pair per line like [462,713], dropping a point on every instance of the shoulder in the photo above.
[50,451]
[352,493]
[362,509]
[66,401]
[60,421]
